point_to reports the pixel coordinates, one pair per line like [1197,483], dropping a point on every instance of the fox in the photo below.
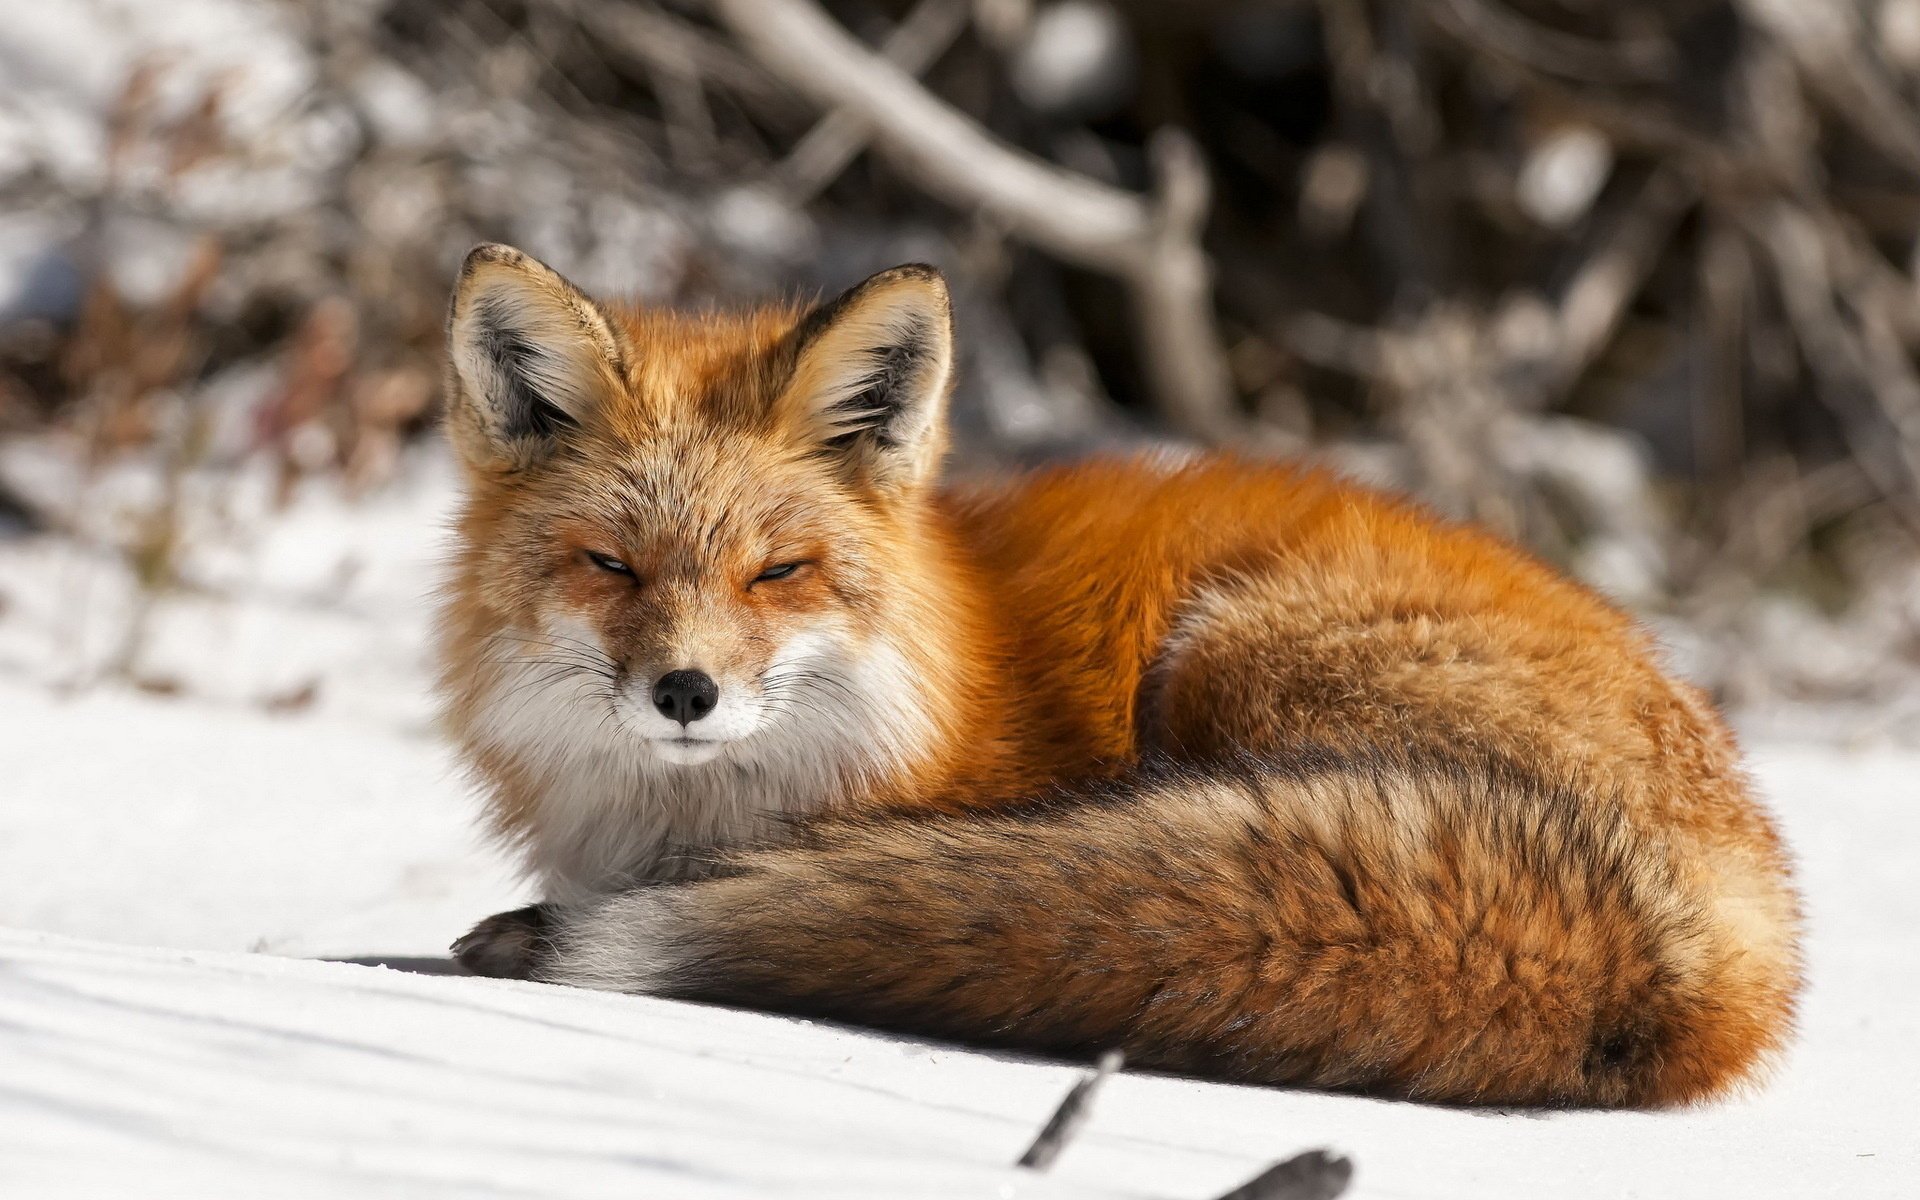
[1244,770]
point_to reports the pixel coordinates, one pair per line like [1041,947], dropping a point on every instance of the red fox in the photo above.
[1241,769]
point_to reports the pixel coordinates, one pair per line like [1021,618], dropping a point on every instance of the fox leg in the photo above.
[508,945]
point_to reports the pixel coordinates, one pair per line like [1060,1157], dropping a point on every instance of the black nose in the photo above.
[685,696]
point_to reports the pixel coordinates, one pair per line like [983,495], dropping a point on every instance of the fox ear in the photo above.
[871,374]
[532,358]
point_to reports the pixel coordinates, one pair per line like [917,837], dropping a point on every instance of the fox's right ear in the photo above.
[532,358]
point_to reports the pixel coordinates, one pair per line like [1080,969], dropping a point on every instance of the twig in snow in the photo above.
[1070,1116]
[1315,1175]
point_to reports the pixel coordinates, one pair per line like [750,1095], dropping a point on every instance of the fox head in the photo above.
[698,539]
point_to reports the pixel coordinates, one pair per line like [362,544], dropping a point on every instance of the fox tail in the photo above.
[1450,931]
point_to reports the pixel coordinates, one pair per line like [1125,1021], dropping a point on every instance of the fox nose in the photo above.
[685,696]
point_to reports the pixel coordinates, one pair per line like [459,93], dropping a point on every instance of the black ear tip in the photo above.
[925,278]
[922,272]
[487,253]
[928,277]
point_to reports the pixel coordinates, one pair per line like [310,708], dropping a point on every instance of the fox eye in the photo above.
[777,572]
[607,562]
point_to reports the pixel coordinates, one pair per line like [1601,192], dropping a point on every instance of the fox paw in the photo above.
[508,945]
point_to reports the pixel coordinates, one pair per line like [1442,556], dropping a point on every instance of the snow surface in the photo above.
[161,790]
[137,820]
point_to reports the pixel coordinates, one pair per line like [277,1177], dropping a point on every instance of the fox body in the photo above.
[1239,768]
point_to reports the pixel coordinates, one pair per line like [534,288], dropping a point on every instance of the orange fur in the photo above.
[1240,767]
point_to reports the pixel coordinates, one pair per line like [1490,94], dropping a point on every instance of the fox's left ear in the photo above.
[871,374]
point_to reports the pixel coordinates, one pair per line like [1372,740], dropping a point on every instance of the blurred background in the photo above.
[1633,282]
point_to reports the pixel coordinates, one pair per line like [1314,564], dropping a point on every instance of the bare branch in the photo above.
[1149,243]
[1172,283]
[1823,42]
[1853,369]
[1460,388]
[1500,31]
[1591,306]
[817,159]
[1075,217]
[664,43]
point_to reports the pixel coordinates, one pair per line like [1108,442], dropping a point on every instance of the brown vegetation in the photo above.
[1633,282]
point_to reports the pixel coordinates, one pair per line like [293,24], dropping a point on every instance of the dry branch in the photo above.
[1457,387]
[1824,42]
[1512,36]
[1150,243]
[1592,304]
[1854,368]
[667,44]
[817,159]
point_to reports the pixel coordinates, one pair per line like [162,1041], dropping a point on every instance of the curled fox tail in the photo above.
[1440,930]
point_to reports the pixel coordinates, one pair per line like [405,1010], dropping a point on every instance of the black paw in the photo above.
[508,945]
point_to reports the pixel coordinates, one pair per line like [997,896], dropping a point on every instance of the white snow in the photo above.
[178,823]
[212,823]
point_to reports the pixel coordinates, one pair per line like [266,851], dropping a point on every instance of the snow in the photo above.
[174,860]
[325,593]
[207,828]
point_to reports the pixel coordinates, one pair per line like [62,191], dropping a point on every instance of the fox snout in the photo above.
[688,715]
[685,696]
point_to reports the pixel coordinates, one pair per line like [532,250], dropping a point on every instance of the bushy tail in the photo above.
[1419,928]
